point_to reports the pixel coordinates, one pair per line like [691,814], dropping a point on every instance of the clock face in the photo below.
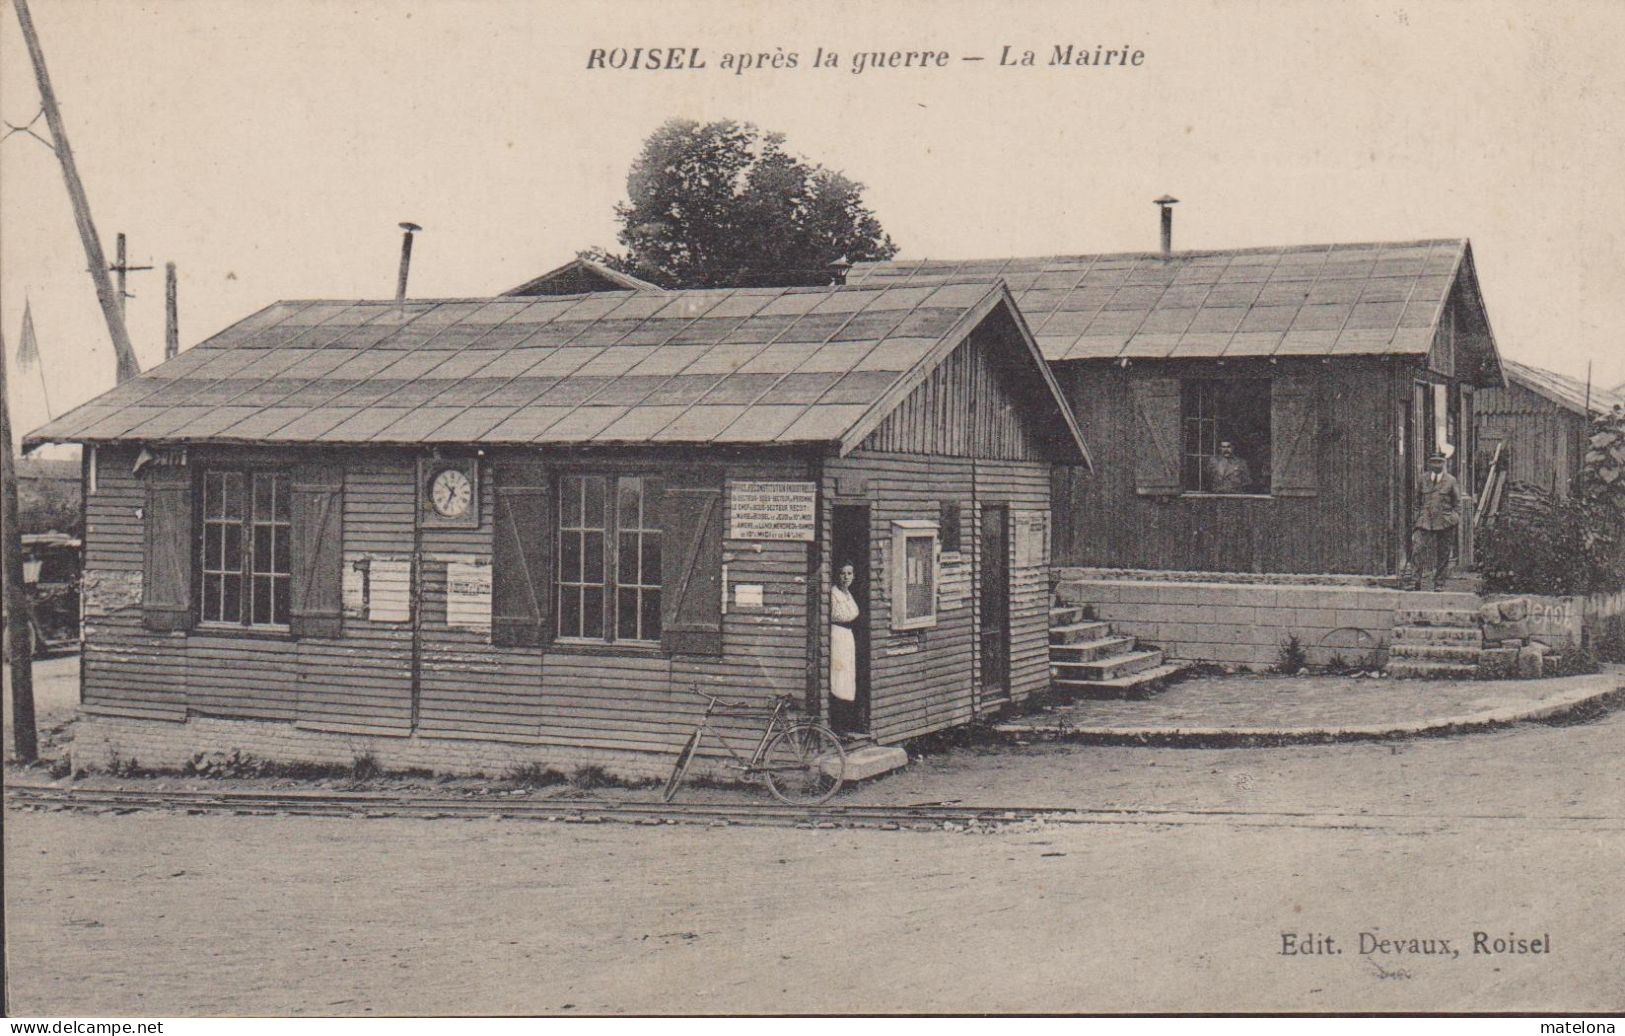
[451,493]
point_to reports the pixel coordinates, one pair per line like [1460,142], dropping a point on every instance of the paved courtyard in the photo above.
[1316,706]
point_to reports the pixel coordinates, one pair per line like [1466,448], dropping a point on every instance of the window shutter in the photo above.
[521,555]
[691,563]
[318,551]
[166,584]
[1156,435]
[1293,428]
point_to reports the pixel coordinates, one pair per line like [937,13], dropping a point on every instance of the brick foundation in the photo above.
[159,745]
[1245,624]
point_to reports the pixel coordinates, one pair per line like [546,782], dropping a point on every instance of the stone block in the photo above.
[873,760]
[1499,631]
[1236,614]
[1513,610]
[1314,618]
[1530,663]
[1498,663]
[1137,593]
[1436,635]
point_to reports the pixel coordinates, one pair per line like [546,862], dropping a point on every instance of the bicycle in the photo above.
[801,760]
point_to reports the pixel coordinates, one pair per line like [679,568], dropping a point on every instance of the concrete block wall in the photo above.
[1246,623]
[160,745]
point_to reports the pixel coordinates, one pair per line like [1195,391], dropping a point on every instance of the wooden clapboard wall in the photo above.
[919,680]
[127,669]
[1025,488]
[1543,441]
[643,700]
[927,680]
[984,400]
[362,680]
[1346,524]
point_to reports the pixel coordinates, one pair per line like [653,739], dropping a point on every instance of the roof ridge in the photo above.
[1194,253]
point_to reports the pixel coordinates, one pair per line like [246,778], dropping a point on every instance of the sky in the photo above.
[270,150]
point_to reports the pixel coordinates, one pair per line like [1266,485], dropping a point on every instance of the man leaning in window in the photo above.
[1226,472]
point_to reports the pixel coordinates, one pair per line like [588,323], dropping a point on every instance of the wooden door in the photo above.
[995,601]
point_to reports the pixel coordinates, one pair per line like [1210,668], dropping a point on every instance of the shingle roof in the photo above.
[1569,393]
[1306,300]
[748,365]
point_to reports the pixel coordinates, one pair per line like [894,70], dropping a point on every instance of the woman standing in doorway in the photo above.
[843,650]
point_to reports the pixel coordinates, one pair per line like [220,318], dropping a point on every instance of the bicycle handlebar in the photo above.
[725,703]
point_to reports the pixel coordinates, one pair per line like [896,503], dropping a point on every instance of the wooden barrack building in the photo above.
[478,533]
[1332,370]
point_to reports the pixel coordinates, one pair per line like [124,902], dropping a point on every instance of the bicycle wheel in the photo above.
[680,768]
[804,765]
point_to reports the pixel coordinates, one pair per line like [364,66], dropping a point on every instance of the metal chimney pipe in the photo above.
[406,259]
[838,271]
[1166,203]
[172,324]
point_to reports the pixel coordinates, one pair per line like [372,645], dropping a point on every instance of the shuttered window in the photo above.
[247,533]
[609,575]
[166,584]
[521,558]
[1294,420]
[1156,405]
[318,551]
[691,562]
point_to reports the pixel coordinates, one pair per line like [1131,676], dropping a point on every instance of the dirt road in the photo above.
[1520,832]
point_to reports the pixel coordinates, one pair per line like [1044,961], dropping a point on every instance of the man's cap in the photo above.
[1435,456]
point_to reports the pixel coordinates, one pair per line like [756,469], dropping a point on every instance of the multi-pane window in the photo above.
[637,563]
[608,558]
[1226,428]
[247,528]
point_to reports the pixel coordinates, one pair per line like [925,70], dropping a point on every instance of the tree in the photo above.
[724,205]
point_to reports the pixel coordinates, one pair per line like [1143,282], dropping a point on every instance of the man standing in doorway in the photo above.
[1438,513]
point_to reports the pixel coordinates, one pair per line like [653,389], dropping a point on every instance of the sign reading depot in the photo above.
[772,510]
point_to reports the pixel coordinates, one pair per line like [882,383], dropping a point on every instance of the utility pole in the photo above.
[112,306]
[19,634]
[122,267]
[172,324]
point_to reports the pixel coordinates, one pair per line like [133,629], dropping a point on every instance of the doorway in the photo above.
[849,544]
[995,601]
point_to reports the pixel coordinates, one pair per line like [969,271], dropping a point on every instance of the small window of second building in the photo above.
[1226,431]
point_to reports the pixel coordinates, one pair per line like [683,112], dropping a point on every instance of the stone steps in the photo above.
[1090,650]
[1088,659]
[1110,668]
[1078,632]
[1413,669]
[1468,635]
[1067,615]
[1144,682]
[1466,654]
[1456,617]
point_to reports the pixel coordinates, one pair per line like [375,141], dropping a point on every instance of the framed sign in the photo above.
[772,510]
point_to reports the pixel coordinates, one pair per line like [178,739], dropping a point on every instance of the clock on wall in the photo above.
[450,492]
